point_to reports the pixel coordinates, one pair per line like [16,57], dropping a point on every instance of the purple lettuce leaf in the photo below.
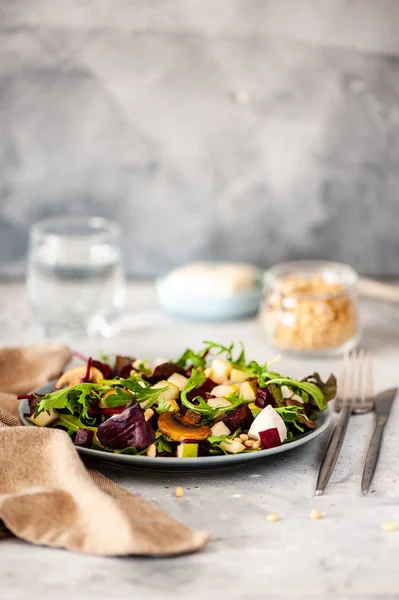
[129,429]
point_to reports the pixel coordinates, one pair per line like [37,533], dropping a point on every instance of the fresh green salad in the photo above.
[213,401]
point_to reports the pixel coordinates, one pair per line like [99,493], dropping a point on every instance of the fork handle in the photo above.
[376,290]
[373,454]
[333,450]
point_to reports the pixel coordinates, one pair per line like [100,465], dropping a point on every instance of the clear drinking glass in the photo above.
[75,276]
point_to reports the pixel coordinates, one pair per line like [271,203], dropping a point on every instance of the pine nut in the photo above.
[389,526]
[256,445]
[315,515]
[249,443]
[179,492]
[148,414]
[152,450]
[237,439]
[243,437]
[272,518]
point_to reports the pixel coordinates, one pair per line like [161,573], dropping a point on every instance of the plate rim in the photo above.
[164,462]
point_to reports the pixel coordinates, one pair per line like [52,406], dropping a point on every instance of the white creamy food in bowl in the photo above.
[211,290]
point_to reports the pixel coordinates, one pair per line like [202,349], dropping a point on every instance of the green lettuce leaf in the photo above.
[77,398]
[141,390]
[71,423]
[189,358]
[120,398]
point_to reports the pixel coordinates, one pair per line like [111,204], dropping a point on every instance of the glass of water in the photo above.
[75,276]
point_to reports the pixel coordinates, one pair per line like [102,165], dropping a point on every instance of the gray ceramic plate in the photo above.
[185,464]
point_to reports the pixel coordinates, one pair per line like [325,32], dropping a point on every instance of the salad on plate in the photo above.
[205,403]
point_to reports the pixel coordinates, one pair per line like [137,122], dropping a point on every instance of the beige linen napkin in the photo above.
[46,494]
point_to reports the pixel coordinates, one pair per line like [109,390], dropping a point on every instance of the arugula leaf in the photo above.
[197,378]
[215,440]
[309,388]
[163,406]
[207,412]
[255,411]
[218,349]
[144,368]
[261,372]
[191,358]
[76,398]
[290,437]
[241,361]
[162,444]
[290,414]
[198,359]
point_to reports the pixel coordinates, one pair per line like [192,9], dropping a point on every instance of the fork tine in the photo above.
[369,379]
[360,379]
[351,396]
[341,383]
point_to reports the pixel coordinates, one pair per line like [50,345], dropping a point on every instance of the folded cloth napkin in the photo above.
[46,494]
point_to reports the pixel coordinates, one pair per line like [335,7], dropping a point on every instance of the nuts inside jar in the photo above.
[309,313]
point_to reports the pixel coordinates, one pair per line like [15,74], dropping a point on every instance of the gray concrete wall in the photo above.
[233,129]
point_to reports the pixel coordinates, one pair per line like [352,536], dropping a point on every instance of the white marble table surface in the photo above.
[343,555]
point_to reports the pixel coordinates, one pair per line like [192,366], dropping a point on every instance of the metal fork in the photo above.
[354,394]
[364,400]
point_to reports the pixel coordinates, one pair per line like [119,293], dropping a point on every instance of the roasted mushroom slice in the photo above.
[74,377]
[177,428]
[191,418]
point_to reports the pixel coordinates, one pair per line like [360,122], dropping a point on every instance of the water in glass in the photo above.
[75,278]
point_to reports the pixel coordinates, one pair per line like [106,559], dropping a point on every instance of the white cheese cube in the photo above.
[268,418]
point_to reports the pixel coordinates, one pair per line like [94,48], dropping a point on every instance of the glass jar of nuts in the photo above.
[311,307]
